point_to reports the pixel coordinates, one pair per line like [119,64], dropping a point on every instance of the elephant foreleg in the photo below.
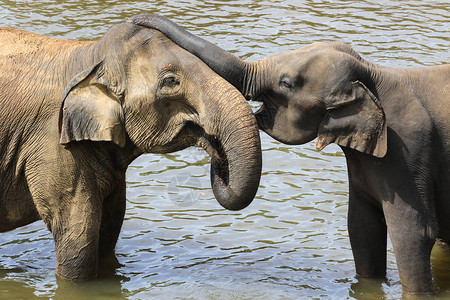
[76,233]
[112,219]
[412,235]
[368,236]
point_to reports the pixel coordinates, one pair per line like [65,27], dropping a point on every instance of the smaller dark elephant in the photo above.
[74,115]
[392,124]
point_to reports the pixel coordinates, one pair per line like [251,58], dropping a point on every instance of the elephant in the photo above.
[392,124]
[75,114]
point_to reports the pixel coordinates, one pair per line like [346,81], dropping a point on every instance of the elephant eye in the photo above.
[286,82]
[170,81]
[169,84]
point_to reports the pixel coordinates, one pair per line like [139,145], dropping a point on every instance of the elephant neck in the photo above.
[387,80]
[118,157]
[128,154]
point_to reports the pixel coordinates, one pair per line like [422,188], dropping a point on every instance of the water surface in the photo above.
[177,242]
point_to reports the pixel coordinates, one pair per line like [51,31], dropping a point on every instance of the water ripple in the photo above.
[291,242]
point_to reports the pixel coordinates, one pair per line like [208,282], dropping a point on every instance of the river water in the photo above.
[176,241]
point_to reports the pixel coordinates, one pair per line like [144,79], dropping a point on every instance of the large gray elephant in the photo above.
[392,124]
[74,115]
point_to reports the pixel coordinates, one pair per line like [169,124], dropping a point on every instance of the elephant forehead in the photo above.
[149,66]
[159,52]
[306,64]
[143,72]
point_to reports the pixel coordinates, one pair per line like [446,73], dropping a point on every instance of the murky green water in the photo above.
[176,242]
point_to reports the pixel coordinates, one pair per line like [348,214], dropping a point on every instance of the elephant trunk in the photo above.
[242,75]
[232,140]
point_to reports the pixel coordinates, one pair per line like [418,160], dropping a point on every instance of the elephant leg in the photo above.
[368,236]
[412,235]
[76,232]
[112,219]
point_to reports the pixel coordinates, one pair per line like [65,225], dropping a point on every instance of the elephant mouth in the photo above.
[264,117]
[262,108]
[220,171]
[192,134]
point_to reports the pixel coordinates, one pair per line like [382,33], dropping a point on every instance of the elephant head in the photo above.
[322,90]
[146,91]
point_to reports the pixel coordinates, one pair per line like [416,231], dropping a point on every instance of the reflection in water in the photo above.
[292,241]
[108,285]
[365,288]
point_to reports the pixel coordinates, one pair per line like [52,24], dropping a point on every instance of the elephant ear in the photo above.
[90,110]
[355,120]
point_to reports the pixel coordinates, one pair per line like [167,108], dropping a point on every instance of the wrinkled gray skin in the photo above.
[392,124]
[74,115]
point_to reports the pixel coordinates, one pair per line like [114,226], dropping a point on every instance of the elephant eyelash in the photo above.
[170,81]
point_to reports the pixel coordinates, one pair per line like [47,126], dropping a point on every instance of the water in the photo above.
[176,242]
